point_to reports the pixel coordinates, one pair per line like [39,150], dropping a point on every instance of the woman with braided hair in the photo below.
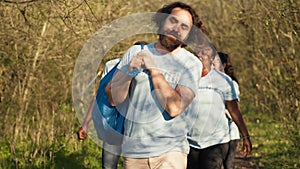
[233,129]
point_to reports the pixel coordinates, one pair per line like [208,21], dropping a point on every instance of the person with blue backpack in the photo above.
[159,83]
[111,153]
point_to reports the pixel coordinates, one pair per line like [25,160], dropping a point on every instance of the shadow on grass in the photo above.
[72,161]
[61,161]
[246,163]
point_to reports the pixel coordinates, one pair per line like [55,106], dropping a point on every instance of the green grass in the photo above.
[271,145]
[272,149]
[88,156]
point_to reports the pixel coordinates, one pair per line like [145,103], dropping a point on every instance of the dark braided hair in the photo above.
[228,69]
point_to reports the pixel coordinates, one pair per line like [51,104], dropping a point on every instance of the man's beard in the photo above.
[170,43]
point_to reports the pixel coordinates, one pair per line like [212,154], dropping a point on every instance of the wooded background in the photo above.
[41,40]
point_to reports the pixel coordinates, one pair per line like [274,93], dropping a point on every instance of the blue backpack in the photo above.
[108,121]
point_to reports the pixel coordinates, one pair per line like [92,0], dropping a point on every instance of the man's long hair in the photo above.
[160,18]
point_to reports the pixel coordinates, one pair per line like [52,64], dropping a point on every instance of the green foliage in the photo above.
[41,40]
[5,156]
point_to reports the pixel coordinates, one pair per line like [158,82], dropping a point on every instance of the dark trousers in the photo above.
[207,158]
[229,160]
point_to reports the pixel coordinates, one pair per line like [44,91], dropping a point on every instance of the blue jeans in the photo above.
[110,156]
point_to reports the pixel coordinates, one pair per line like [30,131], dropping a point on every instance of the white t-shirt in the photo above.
[233,128]
[211,126]
[109,65]
[149,130]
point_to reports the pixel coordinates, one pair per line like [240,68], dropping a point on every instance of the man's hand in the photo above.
[147,60]
[142,60]
[136,62]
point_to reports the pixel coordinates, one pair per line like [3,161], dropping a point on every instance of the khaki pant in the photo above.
[170,160]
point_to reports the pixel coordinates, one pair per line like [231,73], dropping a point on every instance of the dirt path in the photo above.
[241,162]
